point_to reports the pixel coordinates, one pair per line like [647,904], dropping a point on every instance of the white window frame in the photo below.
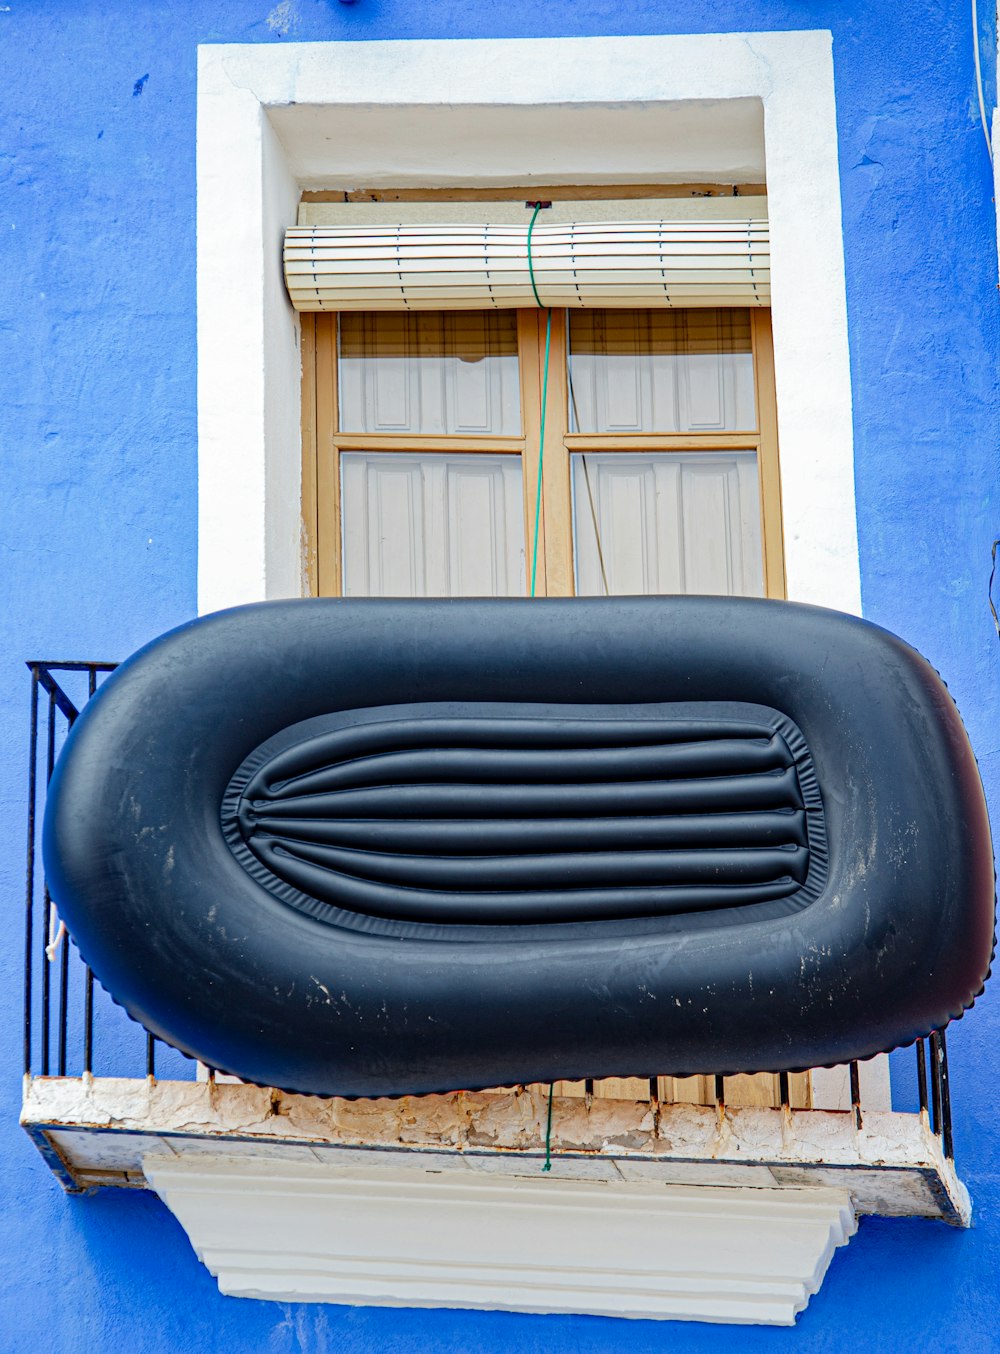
[264,115]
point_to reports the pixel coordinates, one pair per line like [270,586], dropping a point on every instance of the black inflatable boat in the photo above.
[386,847]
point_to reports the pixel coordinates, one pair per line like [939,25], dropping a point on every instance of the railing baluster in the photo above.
[921,1076]
[947,1139]
[856,1092]
[63,1004]
[88,1020]
[62,938]
[937,1100]
[50,757]
[88,978]
[29,888]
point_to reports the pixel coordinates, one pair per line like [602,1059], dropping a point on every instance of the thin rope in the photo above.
[538,518]
[597,529]
[545,400]
[586,476]
[989,589]
[548,1133]
[57,934]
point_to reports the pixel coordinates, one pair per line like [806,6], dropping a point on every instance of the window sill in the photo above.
[456,1181]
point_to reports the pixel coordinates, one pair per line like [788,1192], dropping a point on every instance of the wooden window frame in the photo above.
[323,443]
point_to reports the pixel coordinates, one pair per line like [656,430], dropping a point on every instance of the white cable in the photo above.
[57,934]
[979,78]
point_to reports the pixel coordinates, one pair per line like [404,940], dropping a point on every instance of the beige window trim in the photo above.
[553,192]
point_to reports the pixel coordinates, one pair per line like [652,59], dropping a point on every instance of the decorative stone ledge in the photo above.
[671,1211]
[96,1131]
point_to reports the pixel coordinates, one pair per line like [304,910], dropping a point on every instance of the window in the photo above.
[659,472]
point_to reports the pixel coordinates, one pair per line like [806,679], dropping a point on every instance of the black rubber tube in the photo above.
[880,930]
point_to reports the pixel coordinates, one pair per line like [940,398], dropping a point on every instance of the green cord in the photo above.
[534,546]
[541,452]
[545,398]
[531,266]
[548,1134]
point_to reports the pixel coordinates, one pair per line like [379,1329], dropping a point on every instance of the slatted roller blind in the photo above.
[458,267]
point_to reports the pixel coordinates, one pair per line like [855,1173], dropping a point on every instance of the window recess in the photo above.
[421,334]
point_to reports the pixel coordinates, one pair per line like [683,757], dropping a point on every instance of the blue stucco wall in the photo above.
[98,447]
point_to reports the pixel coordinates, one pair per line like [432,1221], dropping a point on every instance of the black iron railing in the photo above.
[59,1008]
[60,1013]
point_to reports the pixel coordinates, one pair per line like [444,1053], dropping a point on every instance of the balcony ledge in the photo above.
[677,1211]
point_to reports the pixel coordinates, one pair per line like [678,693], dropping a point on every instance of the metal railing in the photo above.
[58,985]
[61,1017]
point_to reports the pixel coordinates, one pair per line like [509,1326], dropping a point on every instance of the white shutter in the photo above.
[432,525]
[439,374]
[661,371]
[673,522]
[457,267]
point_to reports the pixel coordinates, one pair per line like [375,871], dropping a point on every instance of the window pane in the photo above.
[432,525]
[660,371]
[667,522]
[429,372]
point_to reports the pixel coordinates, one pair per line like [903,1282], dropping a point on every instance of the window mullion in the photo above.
[636,442]
[416,442]
[556,499]
[529,339]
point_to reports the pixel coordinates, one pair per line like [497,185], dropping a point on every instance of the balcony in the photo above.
[719,1199]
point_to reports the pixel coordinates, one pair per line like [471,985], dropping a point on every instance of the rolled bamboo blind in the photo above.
[476,267]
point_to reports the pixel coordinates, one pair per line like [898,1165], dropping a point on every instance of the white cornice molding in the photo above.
[408,1237]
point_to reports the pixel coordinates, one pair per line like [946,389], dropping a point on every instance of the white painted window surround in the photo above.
[273,119]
